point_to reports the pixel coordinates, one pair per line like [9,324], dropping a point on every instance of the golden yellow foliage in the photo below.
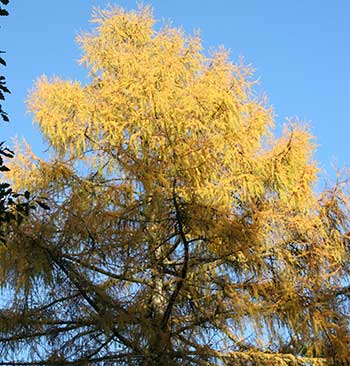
[181,231]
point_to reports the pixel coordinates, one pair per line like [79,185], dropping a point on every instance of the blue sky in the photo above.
[300,50]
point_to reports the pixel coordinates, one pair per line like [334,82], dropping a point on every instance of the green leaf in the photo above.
[7,152]
[3,12]
[4,117]
[4,168]
[4,89]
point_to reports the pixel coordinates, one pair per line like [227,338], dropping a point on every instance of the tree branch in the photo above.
[184,269]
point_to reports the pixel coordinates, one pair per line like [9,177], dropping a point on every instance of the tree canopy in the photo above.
[181,230]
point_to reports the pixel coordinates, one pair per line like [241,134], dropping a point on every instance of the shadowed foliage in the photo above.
[13,206]
[3,88]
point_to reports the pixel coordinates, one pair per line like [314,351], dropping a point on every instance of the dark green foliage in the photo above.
[3,88]
[13,206]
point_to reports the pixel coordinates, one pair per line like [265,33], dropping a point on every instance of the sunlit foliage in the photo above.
[180,230]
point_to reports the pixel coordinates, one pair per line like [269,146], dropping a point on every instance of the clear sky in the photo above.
[300,50]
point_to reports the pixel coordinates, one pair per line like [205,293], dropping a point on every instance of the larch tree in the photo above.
[181,231]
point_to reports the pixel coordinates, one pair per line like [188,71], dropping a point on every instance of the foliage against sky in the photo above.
[181,231]
[10,208]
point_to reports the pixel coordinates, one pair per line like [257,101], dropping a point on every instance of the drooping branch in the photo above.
[85,288]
